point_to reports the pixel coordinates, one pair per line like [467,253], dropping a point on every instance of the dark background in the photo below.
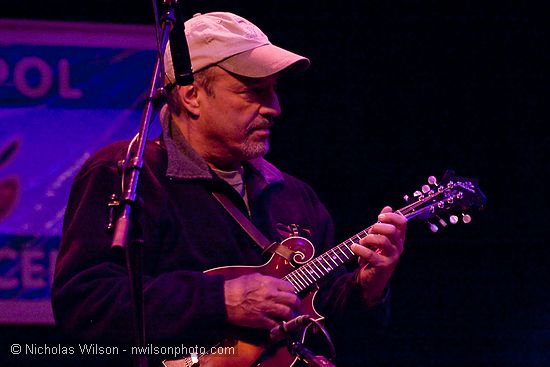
[398,91]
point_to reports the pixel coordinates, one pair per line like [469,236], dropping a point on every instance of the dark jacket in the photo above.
[185,231]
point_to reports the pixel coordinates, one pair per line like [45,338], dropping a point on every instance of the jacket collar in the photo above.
[184,162]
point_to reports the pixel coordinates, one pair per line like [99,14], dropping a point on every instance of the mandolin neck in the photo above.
[306,275]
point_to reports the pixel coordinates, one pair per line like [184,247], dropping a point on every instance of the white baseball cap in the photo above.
[235,44]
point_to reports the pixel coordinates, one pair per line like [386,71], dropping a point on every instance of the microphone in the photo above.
[289,327]
[179,50]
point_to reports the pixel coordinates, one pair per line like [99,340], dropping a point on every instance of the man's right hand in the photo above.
[260,301]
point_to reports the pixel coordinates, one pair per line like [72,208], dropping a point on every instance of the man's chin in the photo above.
[256,150]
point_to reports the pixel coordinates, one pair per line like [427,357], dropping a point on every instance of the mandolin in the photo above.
[452,198]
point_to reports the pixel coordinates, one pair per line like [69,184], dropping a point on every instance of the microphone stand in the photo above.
[133,251]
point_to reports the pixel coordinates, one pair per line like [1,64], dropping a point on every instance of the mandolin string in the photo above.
[303,279]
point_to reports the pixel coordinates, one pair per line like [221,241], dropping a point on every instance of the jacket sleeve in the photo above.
[90,293]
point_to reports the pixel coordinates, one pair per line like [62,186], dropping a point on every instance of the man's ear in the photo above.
[189,98]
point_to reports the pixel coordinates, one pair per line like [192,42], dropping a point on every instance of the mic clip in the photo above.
[290,328]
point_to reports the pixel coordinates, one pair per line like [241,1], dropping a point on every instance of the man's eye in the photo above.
[250,92]
[260,91]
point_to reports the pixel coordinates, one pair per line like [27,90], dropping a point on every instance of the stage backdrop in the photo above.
[66,89]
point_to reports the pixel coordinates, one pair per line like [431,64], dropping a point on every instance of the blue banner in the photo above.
[66,89]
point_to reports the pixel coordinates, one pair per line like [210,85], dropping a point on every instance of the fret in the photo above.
[300,276]
[348,247]
[301,281]
[336,254]
[342,251]
[364,233]
[312,272]
[318,260]
[318,271]
[297,281]
[326,261]
[291,281]
[330,257]
[314,262]
[304,274]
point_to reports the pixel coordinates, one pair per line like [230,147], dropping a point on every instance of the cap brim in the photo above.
[263,61]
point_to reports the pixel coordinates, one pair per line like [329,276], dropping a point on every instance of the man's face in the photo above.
[235,119]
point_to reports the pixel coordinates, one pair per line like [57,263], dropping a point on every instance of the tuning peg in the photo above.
[453,219]
[426,189]
[406,198]
[417,194]
[466,218]
[433,227]
[432,180]
[442,222]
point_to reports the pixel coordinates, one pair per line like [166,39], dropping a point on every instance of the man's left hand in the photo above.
[379,253]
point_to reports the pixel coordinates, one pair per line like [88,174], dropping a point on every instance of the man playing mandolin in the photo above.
[216,132]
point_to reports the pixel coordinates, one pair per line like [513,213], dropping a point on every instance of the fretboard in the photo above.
[310,273]
[318,268]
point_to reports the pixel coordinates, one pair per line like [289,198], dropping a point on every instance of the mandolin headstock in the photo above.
[448,201]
